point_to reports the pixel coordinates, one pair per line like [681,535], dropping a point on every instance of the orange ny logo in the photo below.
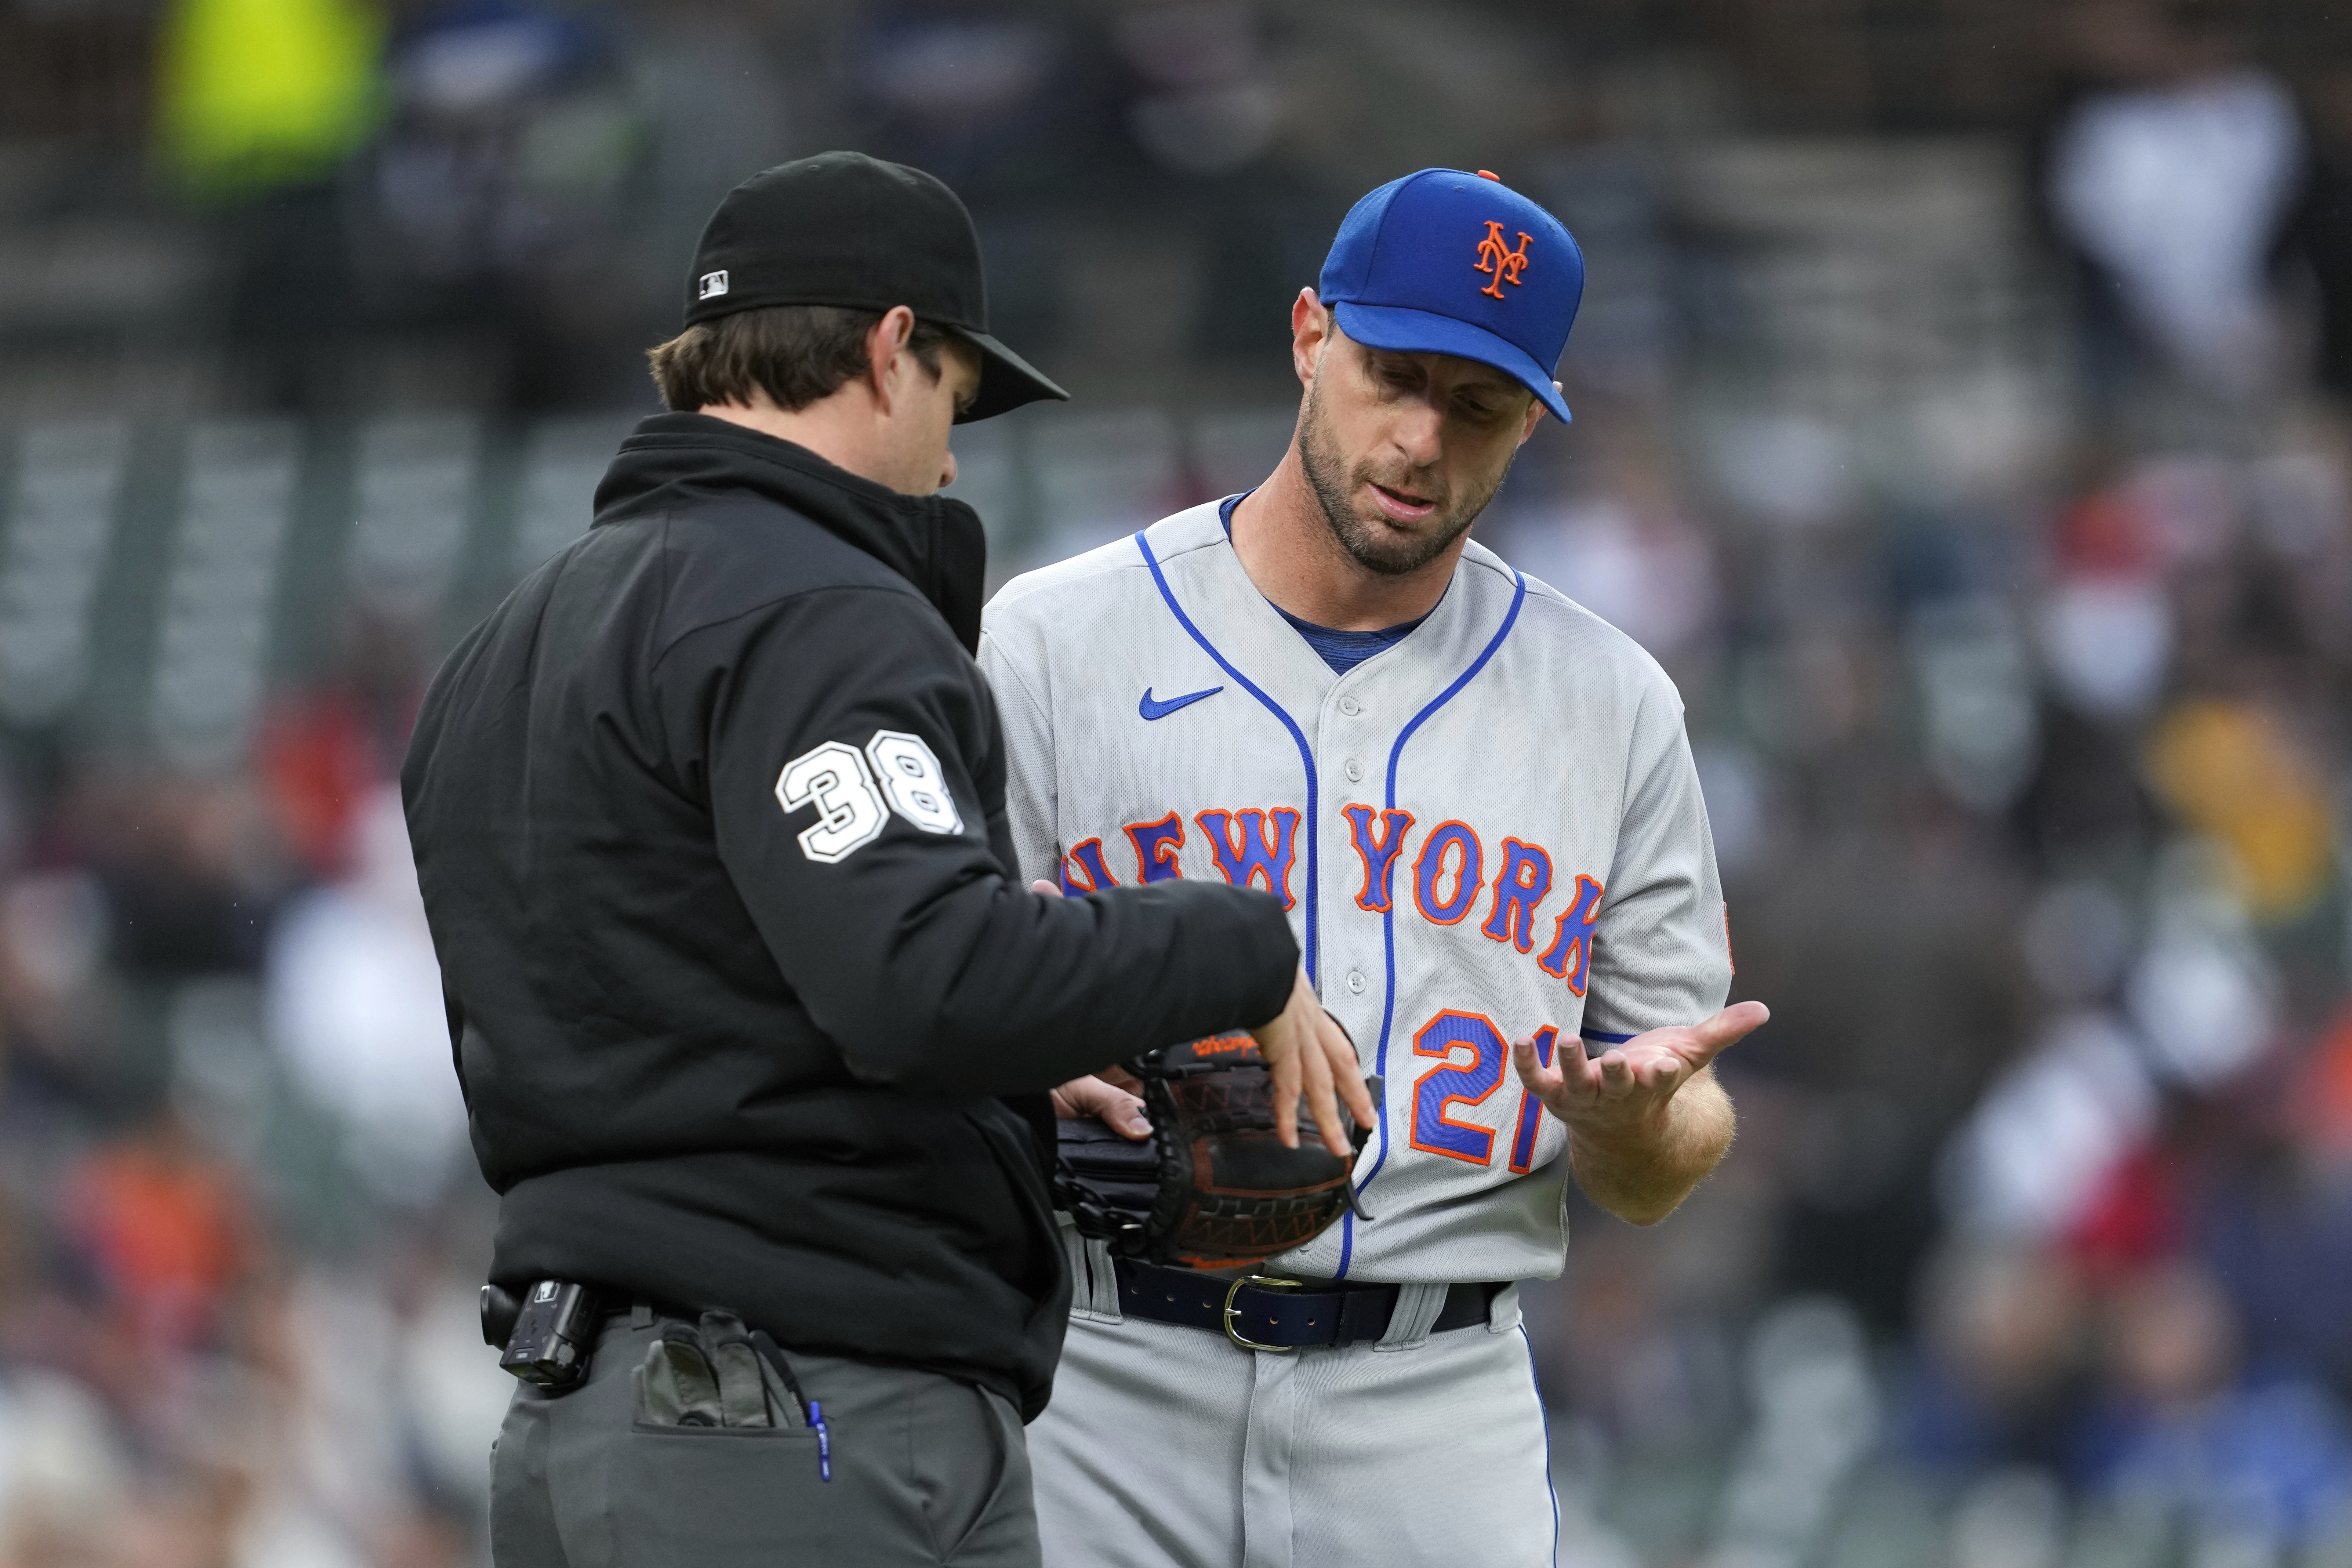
[1504,265]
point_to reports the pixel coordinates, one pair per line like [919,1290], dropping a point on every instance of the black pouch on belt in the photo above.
[546,1338]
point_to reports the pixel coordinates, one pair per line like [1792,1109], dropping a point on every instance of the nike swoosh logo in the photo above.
[1151,709]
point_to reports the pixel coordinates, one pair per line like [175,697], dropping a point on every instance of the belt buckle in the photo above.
[1233,1311]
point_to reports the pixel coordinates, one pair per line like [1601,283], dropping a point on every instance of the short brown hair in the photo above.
[797,355]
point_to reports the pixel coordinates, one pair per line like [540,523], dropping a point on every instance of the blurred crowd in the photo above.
[238,1233]
[2028,781]
[1987,490]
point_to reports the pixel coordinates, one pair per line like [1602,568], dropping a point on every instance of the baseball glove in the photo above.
[1212,1188]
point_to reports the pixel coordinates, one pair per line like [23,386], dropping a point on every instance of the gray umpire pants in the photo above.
[925,1470]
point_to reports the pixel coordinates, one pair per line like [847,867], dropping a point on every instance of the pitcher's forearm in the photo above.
[1642,1175]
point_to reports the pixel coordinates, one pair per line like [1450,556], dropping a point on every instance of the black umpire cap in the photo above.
[842,228]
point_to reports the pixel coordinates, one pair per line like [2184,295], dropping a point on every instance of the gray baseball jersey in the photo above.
[1489,830]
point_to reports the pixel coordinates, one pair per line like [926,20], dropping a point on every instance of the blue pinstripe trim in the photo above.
[1604,1037]
[1305,752]
[1545,1417]
[1388,916]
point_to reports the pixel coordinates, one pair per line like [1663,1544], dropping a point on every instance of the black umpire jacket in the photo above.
[710,817]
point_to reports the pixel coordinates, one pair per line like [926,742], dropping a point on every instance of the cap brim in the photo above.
[1006,380]
[1403,330]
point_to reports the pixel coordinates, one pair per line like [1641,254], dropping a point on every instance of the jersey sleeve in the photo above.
[1661,944]
[1030,798]
[839,740]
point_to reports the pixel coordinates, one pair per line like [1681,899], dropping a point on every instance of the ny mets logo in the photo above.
[1504,265]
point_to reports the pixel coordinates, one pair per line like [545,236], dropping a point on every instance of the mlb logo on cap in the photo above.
[1449,262]
[713,284]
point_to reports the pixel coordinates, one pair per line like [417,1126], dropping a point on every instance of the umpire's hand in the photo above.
[1310,1053]
[1305,1048]
[1108,1095]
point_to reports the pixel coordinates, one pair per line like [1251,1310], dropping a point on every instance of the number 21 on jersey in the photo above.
[1472,1080]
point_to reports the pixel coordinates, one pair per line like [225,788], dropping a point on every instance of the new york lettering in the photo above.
[1448,873]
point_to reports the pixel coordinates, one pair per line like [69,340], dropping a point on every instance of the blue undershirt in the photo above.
[1341,650]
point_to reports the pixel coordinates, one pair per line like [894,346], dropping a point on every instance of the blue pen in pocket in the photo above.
[823,1440]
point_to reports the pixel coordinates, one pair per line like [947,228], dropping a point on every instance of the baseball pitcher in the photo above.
[1477,803]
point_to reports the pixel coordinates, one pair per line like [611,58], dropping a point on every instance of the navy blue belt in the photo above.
[1267,1312]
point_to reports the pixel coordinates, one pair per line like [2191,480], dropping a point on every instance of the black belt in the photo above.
[1261,1311]
[622,1304]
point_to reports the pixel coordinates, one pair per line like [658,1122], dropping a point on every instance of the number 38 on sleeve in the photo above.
[848,789]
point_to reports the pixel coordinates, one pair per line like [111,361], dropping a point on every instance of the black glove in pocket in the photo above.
[715,1375]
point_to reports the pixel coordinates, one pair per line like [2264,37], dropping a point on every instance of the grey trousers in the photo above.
[1173,1447]
[925,1470]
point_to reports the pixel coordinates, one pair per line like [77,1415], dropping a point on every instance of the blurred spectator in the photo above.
[722,104]
[1630,1363]
[257,95]
[2233,772]
[1623,549]
[2134,1217]
[2273,1213]
[993,98]
[260,102]
[53,951]
[169,1236]
[63,1475]
[2107,622]
[189,868]
[2036,1151]
[2263,1465]
[495,199]
[324,748]
[1999,1373]
[2321,235]
[1207,100]
[355,1004]
[2171,177]
[2321,1105]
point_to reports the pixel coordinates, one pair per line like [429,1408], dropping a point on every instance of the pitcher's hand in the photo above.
[1625,1092]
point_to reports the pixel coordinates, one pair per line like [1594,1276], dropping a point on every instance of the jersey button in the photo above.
[1354,770]
[1351,707]
[1356,981]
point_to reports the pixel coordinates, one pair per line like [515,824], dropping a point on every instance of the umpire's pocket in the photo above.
[523,1532]
[717,1497]
[970,1462]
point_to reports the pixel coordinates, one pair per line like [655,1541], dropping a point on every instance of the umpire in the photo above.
[755,1035]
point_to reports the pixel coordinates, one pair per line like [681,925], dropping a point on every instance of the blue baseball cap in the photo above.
[1453,263]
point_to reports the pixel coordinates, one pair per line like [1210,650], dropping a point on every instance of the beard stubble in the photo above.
[1372,542]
